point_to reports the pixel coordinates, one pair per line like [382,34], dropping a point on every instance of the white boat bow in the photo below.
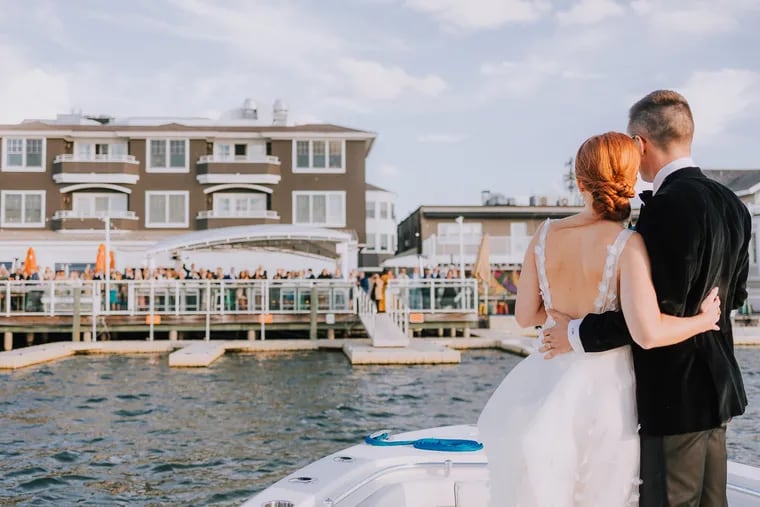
[403,476]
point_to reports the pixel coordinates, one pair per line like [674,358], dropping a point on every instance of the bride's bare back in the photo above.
[576,251]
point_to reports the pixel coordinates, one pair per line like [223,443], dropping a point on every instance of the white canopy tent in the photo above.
[305,242]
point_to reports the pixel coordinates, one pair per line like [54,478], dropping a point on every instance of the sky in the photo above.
[464,95]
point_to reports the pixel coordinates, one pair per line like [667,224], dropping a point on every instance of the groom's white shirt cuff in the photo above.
[574,335]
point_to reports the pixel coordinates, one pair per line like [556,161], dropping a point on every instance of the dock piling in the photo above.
[313,313]
[7,340]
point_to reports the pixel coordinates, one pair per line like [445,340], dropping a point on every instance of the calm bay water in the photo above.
[115,430]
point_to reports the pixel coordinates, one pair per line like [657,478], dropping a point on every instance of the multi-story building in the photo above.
[437,234]
[746,184]
[157,177]
[381,232]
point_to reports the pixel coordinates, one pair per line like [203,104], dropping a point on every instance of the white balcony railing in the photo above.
[100,215]
[238,214]
[239,159]
[129,159]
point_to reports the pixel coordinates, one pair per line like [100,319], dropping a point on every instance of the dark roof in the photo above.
[735,179]
[370,186]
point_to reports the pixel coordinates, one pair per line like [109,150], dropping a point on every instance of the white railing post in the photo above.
[208,310]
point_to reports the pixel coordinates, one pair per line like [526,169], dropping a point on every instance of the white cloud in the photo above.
[719,98]
[587,12]
[695,17]
[375,81]
[28,90]
[516,79]
[481,14]
[440,138]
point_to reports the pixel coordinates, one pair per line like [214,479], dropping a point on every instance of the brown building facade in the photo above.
[157,178]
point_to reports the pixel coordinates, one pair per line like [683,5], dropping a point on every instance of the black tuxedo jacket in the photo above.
[697,233]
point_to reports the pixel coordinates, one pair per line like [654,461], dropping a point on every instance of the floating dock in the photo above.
[419,351]
[197,355]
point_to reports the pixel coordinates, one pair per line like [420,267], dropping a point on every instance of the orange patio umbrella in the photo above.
[111,260]
[100,260]
[30,262]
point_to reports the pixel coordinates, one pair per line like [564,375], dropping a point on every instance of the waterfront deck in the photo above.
[101,310]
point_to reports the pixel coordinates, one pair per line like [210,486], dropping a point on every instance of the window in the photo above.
[302,154]
[336,154]
[239,205]
[468,229]
[393,211]
[370,209]
[383,242]
[518,229]
[24,154]
[319,156]
[370,242]
[23,208]
[383,210]
[166,209]
[100,151]
[98,205]
[240,150]
[320,208]
[168,155]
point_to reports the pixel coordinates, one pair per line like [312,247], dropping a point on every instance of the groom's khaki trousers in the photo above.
[687,470]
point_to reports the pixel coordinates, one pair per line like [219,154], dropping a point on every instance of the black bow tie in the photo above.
[645,196]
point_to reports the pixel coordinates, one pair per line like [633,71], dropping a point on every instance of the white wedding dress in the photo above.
[563,432]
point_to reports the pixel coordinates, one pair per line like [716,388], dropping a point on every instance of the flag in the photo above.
[482,269]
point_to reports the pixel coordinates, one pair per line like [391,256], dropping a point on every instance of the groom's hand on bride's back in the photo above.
[555,341]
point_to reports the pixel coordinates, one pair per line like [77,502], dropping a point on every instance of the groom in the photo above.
[697,233]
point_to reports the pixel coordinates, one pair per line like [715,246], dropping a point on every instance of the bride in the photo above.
[563,433]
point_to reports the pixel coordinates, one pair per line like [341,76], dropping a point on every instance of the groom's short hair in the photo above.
[663,117]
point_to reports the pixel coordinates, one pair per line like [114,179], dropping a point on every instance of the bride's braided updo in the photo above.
[606,167]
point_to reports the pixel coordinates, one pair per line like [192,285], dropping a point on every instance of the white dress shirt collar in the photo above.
[669,169]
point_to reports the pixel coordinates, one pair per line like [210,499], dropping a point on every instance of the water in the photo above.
[115,430]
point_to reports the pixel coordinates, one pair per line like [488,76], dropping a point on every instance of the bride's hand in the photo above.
[710,309]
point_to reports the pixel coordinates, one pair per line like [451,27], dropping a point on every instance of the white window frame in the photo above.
[23,224]
[387,247]
[91,196]
[320,170]
[166,168]
[374,209]
[371,246]
[167,225]
[23,168]
[232,196]
[327,194]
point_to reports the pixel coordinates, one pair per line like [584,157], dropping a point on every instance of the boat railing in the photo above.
[178,297]
[432,295]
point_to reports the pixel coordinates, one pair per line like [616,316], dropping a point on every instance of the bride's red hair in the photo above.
[606,167]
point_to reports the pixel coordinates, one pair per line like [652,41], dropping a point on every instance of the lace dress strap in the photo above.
[608,288]
[540,252]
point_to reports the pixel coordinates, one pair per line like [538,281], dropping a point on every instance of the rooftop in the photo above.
[737,180]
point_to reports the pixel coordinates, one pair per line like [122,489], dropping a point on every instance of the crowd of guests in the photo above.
[374,284]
